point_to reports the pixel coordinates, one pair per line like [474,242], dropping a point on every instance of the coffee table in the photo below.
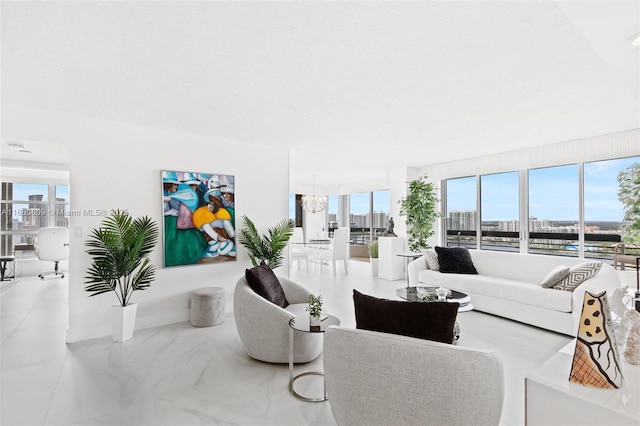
[300,323]
[411,294]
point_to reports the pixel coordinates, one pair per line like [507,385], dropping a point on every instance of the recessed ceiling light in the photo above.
[636,41]
[18,147]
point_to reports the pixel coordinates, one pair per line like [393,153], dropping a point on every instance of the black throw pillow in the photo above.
[455,260]
[264,282]
[423,320]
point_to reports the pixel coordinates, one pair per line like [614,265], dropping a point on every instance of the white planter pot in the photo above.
[314,321]
[123,321]
[374,266]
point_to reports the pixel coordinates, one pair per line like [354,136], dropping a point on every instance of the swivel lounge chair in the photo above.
[375,378]
[264,327]
[52,244]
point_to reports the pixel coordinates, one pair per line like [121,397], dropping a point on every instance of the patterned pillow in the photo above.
[432,260]
[555,276]
[577,275]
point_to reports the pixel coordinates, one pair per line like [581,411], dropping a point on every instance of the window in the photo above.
[381,210]
[27,207]
[603,213]
[461,212]
[332,213]
[553,210]
[359,218]
[500,211]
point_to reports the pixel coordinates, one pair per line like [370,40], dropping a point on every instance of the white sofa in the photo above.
[508,285]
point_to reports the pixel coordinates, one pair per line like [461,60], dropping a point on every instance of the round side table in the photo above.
[300,323]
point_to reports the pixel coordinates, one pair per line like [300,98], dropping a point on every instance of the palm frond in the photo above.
[267,248]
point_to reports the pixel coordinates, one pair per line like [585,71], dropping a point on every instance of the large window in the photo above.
[554,210]
[603,213]
[27,207]
[360,218]
[381,209]
[332,212]
[461,212]
[500,211]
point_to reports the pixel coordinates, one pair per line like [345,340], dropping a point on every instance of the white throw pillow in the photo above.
[432,259]
[577,275]
[556,275]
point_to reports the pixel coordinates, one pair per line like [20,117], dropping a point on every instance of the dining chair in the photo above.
[339,250]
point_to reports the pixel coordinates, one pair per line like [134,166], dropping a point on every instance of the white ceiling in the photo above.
[352,88]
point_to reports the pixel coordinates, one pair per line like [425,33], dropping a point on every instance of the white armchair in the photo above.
[264,327]
[377,378]
[52,244]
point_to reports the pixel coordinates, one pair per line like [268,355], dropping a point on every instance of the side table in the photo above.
[301,324]
[410,257]
[3,267]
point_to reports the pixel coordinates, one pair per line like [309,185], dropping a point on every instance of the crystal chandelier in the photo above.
[313,204]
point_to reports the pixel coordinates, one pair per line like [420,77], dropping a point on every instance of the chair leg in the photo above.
[333,262]
[346,266]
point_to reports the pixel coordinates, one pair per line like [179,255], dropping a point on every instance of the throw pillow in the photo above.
[577,275]
[263,281]
[455,260]
[555,276]
[431,321]
[432,260]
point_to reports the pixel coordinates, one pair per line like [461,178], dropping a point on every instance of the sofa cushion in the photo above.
[556,275]
[264,282]
[501,288]
[431,321]
[577,275]
[455,260]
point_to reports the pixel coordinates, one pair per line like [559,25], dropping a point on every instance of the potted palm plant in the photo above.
[419,206]
[119,250]
[269,247]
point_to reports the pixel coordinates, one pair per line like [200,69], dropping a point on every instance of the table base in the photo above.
[306,398]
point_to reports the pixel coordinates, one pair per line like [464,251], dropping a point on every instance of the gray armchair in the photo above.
[384,379]
[264,327]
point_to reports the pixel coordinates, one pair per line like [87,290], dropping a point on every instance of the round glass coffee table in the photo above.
[300,323]
[411,294]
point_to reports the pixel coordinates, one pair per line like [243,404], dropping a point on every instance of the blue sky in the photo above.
[553,192]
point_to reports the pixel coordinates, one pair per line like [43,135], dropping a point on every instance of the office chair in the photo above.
[52,244]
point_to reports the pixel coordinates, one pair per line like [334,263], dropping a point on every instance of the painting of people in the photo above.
[199,218]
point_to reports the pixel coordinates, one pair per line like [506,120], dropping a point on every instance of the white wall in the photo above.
[117,165]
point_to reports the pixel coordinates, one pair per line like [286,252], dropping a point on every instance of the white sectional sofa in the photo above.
[509,285]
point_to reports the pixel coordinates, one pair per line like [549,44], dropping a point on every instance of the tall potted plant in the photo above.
[269,247]
[419,207]
[119,250]
[373,256]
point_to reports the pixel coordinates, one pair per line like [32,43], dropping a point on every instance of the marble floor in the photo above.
[181,375]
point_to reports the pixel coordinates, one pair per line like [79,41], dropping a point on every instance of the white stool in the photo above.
[207,306]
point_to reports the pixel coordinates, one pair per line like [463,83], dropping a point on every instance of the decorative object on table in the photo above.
[199,218]
[618,302]
[423,293]
[373,256]
[315,310]
[596,362]
[268,248]
[314,204]
[119,249]
[389,231]
[420,208]
[632,342]
[442,293]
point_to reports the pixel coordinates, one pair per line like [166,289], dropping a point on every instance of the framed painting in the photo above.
[199,218]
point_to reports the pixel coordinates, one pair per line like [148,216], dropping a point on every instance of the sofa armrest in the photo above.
[414,268]
[294,292]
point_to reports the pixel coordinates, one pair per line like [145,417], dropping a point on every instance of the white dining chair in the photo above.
[339,250]
[298,251]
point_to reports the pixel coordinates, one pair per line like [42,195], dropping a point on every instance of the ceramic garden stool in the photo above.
[207,306]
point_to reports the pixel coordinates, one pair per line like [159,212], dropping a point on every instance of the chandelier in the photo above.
[314,204]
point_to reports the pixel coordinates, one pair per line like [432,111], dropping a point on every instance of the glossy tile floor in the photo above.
[181,375]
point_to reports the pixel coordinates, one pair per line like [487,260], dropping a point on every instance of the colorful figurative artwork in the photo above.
[199,218]
[596,362]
